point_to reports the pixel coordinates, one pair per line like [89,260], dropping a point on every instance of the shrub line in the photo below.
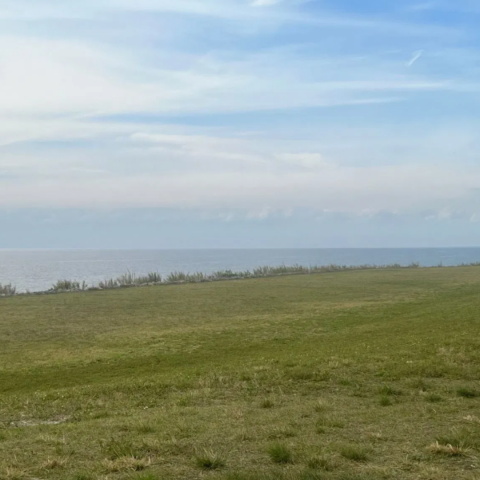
[130,280]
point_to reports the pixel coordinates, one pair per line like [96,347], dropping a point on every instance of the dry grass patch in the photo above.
[472,419]
[126,464]
[14,473]
[450,450]
[53,463]
[468,437]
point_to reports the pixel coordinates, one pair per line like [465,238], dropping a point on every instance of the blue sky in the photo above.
[239,123]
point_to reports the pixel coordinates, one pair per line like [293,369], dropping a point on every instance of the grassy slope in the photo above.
[352,375]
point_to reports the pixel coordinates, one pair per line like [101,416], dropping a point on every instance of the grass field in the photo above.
[351,375]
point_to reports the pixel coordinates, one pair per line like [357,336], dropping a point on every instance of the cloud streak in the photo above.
[416,56]
[51,77]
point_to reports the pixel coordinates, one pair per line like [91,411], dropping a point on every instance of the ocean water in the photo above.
[37,270]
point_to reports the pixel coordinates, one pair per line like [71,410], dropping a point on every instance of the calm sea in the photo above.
[37,270]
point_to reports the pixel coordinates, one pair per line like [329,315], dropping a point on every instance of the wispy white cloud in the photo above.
[421,7]
[470,6]
[50,77]
[61,89]
[264,3]
[281,12]
[415,57]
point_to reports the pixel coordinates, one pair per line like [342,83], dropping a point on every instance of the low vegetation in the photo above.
[130,279]
[280,453]
[209,461]
[7,290]
[355,375]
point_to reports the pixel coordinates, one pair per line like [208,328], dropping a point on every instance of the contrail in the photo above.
[416,56]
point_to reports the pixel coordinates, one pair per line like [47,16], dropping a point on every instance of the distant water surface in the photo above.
[37,270]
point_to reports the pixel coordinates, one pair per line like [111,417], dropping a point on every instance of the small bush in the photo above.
[209,461]
[66,285]
[280,453]
[7,290]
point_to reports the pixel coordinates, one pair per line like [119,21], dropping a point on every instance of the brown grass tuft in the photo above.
[449,450]
[126,464]
[53,463]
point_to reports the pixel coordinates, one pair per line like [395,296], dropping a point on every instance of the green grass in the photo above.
[467,392]
[385,401]
[280,453]
[363,374]
[322,463]
[209,461]
[355,453]
[266,403]
[433,398]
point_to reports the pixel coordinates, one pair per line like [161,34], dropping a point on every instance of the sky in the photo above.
[239,123]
